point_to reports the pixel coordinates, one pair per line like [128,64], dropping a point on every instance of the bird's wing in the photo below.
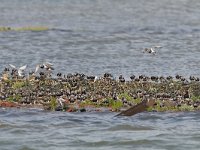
[37,68]
[59,100]
[157,46]
[23,67]
[20,73]
[48,64]
[95,79]
[12,66]
[153,50]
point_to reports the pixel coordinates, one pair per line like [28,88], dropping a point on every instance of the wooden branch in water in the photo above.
[141,107]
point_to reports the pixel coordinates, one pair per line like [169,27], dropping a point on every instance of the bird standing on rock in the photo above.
[121,78]
[48,66]
[132,77]
[45,67]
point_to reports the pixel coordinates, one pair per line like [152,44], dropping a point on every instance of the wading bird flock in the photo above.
[38,87]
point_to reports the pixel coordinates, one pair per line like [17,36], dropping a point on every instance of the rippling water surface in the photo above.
[94,37]
[35,129]
[101,36]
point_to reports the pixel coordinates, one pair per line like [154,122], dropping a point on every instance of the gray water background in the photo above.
[94,37]
[98,36]
[39,130]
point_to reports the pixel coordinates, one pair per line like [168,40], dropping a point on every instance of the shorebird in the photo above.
[152,50]
[121,78]
[132,77]
[20,70]
[96,78]
[5,74]
[46,67]
[60,101]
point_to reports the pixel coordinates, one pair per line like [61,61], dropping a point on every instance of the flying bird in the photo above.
[20,71]
[152,50]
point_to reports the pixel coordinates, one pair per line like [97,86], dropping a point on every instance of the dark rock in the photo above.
[82,110]
[132,77]
[59,108]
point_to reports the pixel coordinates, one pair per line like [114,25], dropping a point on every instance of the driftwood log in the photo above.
[141,107]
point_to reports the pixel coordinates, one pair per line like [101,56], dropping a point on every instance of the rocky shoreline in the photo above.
[79,92]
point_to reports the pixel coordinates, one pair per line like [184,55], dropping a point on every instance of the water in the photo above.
[36,129]
[94,37]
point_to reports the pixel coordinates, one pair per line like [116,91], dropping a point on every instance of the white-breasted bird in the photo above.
[46,68]
[60,101]
[96,78]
